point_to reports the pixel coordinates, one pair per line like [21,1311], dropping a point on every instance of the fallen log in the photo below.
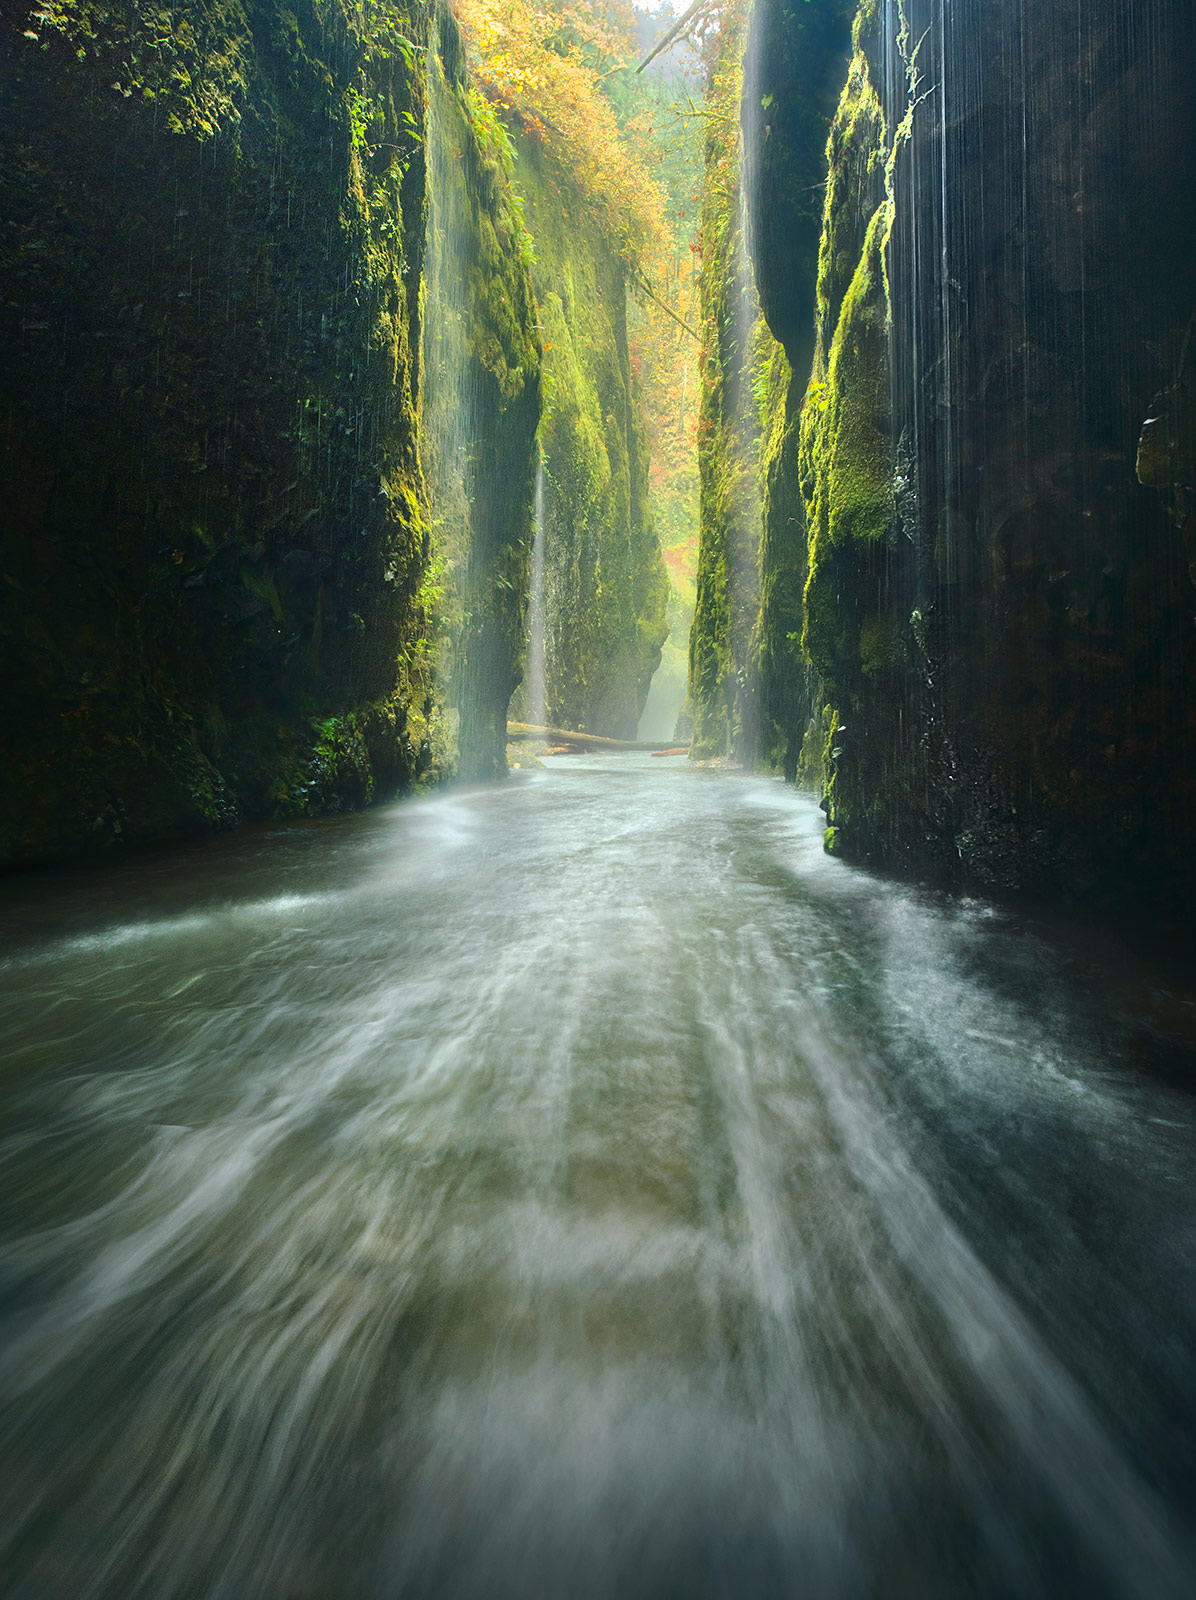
[677,750]
[587,741]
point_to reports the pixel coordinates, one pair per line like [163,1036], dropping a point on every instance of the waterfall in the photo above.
[537,696]
[447,431]
[744,547]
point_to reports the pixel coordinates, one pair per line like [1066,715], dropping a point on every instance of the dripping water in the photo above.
[747,527]
[537,707]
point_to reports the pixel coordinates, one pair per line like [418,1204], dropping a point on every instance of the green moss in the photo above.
[797,59]
[825,733]
[480,408]
[846,449]
[210,507]
[878,644]
[338,763]
[193,64]
[607,589]
[859,649]
[751,686]
[856,154]
[847,457]
[225,593]
[786,682]
[737,388]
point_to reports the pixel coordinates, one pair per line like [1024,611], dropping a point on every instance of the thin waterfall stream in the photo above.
[583,1186]
[537,693]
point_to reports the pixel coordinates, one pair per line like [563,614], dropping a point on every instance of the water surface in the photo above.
[583,1187]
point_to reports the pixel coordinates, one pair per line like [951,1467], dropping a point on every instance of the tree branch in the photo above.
[675,32]
[641,283]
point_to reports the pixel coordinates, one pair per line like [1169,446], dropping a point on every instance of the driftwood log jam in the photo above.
[583,741]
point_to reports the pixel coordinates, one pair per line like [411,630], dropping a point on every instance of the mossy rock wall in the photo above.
[786,684]
[480,409]
[219,593]
[999,611]
[793,72]
[211,539]
[736,353]
[606,585]
[846,437]
[795,66]
[751,688]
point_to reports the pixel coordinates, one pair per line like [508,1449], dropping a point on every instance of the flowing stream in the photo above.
[584,1187]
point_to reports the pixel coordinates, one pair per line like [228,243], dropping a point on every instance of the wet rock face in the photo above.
[1030,719]
[479,411]
[794,68]
[739,357]
[210,535]
[606,588]
[793,71]
[1167,446]
[781,68]
[1167,449]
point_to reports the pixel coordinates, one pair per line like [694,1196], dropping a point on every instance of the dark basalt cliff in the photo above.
[211,536]
[997,600]
[750,687]
[216,551]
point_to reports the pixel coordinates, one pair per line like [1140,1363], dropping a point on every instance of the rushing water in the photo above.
[583,1187]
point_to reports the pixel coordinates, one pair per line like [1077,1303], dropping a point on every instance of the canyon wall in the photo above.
[737,355]
[775,77]
[794,68]
[997,607]
[480,408]
[606,586]
[220,593]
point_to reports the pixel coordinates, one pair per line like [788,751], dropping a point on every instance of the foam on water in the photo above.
[582,1186]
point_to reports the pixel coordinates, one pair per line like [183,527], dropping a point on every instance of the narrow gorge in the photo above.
[597,787]
[273,365]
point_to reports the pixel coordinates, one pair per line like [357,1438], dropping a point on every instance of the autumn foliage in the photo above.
[543,64]
[627,146]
